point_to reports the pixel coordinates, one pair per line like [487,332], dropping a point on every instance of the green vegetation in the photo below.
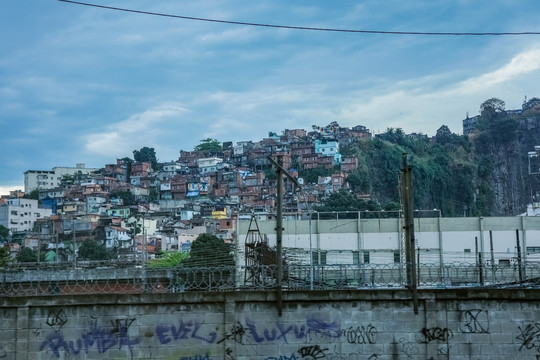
[34,195]
[154,194]
[70,179]
[209,250]
[210,145]
[312,175]
[483,174]
[169,259]
[146,154]
[346,201]
[127,197]
[27,255]
[5,257]
[4,233]
[90,249]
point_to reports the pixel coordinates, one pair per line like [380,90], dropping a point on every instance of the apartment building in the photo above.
[21,214]
[50,179]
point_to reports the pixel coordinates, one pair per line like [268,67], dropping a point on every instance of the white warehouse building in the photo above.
[498,240]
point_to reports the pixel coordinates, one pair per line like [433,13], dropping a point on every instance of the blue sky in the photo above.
[87,85]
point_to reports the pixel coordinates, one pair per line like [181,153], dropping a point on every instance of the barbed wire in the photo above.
[17,281]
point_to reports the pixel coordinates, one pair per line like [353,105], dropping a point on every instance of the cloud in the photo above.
[238,35]
[415,106]
[521,64]
[4,190]
[249,115]
[142,129]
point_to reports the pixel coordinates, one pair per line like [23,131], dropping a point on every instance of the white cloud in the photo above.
[138,130]
[522,64]
[416,107]
[4,190]
[235,35]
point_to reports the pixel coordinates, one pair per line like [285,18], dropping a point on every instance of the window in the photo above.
[13,212]
[533,250]
[397,257]
[467,250]
[315,258]
[323,257]
[366,257]
[356,257]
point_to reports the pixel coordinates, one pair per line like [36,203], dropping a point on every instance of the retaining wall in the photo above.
[380,324]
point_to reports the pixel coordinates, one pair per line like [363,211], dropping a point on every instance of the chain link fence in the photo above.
[102,278]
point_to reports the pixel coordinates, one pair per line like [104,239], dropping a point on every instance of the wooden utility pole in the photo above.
[408,210]
[279,226]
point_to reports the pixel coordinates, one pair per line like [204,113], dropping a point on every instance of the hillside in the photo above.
[482,174]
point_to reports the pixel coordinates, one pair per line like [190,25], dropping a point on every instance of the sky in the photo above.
[81,84]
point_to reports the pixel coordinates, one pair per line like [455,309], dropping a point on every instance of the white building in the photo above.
[117,236]
[50,179]
[350,241]
[56,193]
[96,205]
[207,165]
[242,147]
[21,214]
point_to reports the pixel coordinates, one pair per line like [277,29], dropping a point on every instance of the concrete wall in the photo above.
[451,324]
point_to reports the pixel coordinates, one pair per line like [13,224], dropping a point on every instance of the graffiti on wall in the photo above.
[183,330]
[474,321]
[97,338]
[316,337]
[529,337]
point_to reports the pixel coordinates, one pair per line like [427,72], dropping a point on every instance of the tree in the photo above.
[90,249]
[154,193]
[4,232]
[359,182]
[311,176]
[346,201]
[339,201]
[27,255]
[210,145]
[127,160]
[70,179]
[492,107]
[531,103]
[34,194]
[395,136]
[5,256]
[444,135]
[127,197]
[169,259]
[146,154]
[209,250]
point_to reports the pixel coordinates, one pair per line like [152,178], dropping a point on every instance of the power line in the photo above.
[306,27]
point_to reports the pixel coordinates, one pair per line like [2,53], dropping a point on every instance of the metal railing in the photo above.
[107,279]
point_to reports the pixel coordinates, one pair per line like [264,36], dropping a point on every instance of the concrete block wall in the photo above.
[351,325]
